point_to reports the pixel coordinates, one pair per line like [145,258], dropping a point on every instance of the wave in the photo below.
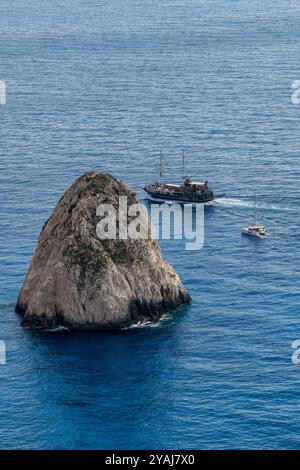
[7,304]
[58,329]
[149,324]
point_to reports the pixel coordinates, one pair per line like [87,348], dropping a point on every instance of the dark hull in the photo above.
[178,197]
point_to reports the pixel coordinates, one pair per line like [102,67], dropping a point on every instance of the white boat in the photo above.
[255,230]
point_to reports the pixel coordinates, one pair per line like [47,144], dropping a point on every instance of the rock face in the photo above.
[79,281]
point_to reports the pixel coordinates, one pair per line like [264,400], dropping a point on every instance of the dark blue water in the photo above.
[97,85]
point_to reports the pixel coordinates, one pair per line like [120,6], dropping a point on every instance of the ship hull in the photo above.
[178,198]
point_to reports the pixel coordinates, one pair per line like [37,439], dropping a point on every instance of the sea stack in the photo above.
[79,281]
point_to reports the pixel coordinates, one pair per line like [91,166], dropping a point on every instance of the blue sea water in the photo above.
[97,85]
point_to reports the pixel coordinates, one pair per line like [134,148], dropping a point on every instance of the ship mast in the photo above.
[161,165]
[254,208]
[183,166]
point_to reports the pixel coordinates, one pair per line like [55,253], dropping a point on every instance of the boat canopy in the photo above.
[199,183]
[173,185]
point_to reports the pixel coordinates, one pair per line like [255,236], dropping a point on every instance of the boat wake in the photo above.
[248,204]
[233,202]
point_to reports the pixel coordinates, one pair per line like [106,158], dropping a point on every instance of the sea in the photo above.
[93,85]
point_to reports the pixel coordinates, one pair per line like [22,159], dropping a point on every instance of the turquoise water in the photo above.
[96,85]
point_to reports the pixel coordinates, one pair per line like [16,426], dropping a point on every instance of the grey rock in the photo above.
[78,281]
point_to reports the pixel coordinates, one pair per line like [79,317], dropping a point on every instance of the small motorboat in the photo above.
[255,230]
